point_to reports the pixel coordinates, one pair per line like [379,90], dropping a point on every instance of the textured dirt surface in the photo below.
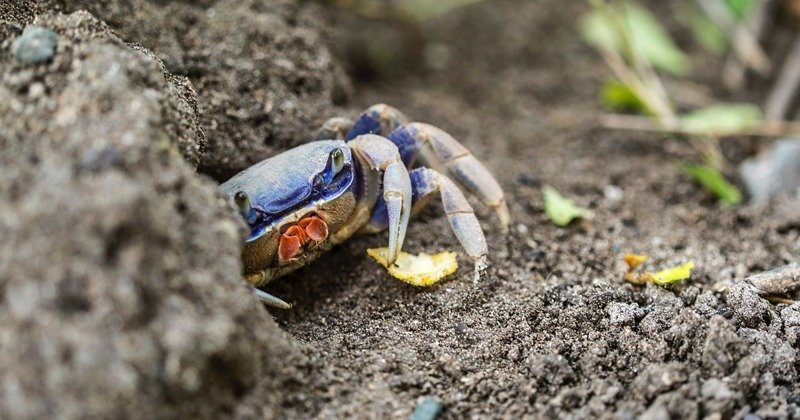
[551,331]
[265,80]
[119,271]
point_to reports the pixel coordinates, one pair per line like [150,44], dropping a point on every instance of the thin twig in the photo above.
[744,42]
[637,123]
[785,88]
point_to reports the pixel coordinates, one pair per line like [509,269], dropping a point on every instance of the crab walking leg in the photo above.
[446,154]
[379,119]
[426,182]
[380,154]
[335,128]
[271,300]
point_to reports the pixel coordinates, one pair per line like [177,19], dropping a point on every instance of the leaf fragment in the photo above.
[711,179]
[662,278]
[673,274]
[633,260]
[616,96]
[561,210]
[722,119]
[707,33]
[741,8]
[418,270]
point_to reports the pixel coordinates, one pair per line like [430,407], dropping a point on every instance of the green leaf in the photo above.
[722,119]
[740,8]
[673,274]
[616,96]
[708,34]
[647,36]
[712,180]
[560,210]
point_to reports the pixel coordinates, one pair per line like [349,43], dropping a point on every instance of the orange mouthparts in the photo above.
[310,229]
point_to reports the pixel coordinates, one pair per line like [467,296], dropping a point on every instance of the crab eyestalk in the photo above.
[245,209]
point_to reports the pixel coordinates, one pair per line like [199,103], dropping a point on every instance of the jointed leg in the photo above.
[271,300]
[335,128]
[380,119]
[426,183]
[446,154]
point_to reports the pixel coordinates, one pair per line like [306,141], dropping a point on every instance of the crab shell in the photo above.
[293,186]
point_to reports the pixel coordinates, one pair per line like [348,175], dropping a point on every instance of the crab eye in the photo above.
[337,161]
[245,209]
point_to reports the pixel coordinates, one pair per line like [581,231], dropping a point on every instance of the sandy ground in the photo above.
[551,330]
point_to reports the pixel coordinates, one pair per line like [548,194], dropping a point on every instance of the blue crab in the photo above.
[355,178]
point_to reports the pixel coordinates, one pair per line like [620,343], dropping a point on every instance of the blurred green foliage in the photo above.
[650,39]
[712,180]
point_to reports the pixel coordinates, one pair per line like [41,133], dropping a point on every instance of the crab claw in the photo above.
[315,228]
[397,194]
[291,242]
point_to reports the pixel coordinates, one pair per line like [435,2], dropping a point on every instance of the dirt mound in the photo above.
[119,273]
[265,80]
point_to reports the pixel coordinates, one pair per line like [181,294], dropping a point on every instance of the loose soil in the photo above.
[551,330]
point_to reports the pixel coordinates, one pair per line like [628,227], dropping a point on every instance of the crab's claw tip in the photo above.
[481,264]
[504,216]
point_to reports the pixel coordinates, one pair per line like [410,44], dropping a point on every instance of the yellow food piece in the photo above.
[672,274]
[418,270]
[633,260]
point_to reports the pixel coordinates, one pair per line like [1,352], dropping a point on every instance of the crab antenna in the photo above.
[245,209]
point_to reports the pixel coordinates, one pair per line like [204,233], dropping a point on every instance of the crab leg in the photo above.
[426,183]
[271,300]
[335,128]
[446,154]
[381,155]
[379,119]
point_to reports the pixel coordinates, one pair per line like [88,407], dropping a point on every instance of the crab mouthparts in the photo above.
[310,229]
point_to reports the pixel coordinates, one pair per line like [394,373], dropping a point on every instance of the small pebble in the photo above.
[35,45]
[427,409]
[613,195]
[781,280]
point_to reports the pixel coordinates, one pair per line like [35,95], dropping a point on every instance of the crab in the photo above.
[356,177]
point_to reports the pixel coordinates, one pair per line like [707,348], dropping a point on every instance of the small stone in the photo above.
[613,195]
[773,172]
[427,409]
[622,313]
[781,280]
[35,45]
[714,388]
